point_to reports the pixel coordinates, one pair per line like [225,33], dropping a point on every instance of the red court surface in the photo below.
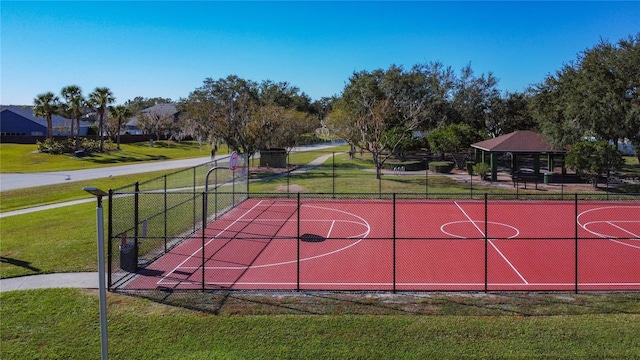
[438,246]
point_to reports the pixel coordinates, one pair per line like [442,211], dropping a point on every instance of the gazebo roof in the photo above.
[522,141]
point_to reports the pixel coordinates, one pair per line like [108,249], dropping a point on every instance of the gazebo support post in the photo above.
[494,166]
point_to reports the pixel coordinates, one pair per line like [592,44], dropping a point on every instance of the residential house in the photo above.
[18,120]
[158,111]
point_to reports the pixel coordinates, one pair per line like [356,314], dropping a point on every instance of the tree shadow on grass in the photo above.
[20,263]
[227,302]
[129,159]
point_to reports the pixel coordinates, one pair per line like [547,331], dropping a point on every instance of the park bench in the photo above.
[525,178]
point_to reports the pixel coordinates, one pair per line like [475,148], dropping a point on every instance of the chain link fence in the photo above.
[148,220]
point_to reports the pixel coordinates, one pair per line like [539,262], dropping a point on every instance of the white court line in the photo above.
[492,244]
[414,284]
[623,229]
[198,250]
[333,222]
[628,232]
[360,237]
[609,222]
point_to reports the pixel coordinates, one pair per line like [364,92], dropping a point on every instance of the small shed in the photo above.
[518,145]
[274,157]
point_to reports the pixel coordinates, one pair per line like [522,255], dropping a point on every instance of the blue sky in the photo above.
[166,49]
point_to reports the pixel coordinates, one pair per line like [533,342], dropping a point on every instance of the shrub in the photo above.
[481,169]
[50,146]
[442,167]
[67,146]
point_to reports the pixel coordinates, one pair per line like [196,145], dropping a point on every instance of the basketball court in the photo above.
[407,245]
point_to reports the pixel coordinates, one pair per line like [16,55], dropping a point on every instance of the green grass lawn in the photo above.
[68,191]
[56,240]
[20,158]
[63,323]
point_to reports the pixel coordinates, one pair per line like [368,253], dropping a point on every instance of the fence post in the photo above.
[298,248]
[486,244]
[194,200]
[204,227]
[470,170]
[165,214]
[576,238]
[426,177]
[333,174]
[247,173]
[562,182]
[215,192]
[394,243]
[110,242]
[136,214]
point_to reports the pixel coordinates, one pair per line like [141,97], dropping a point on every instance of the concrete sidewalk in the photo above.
[85,280]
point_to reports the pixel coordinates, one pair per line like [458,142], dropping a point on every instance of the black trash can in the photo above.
[129,256]
[547,178]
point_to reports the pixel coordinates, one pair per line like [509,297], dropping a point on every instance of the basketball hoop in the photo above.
[233,161]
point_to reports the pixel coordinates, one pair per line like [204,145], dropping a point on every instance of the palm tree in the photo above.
[46,105]
[75,105]
[100,98]
[120,113]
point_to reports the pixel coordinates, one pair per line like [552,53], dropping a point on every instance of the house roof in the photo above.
[26,112]
[157,110]
[161,110]
[518,141]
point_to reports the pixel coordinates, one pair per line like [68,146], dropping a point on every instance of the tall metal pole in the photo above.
[101,283]
[101,271]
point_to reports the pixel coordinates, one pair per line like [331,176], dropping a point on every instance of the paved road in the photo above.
[26,180]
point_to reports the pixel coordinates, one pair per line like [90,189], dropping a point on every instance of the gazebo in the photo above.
[518,145]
